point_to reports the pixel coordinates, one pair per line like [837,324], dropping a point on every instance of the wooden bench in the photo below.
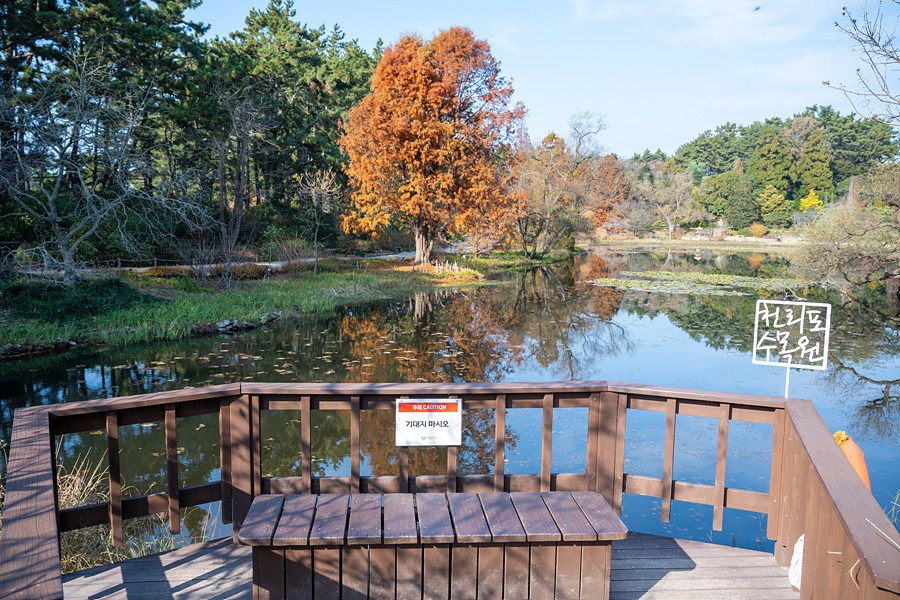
[459,545]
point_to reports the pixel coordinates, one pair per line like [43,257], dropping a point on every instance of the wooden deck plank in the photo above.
[572,523]
[29,556]
[535,517]
[400,519]
[330,524]
[365,519]
[435,526]
[259,526]
[220,570]
[468,519]
[502,518]
[296,520]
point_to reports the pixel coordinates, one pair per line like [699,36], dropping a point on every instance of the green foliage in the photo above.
[775,207]
[648,156]
[771,162]
[857,145]
[728,193]
[814,168]
[61,304]
[112,319]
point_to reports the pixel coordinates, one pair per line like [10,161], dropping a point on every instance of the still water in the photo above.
[545,325]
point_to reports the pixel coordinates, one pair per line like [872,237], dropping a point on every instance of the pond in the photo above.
[551,324]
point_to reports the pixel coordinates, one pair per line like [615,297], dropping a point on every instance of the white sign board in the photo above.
[428,422]
[791,334]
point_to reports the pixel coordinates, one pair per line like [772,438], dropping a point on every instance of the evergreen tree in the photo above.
[740,207]
[719,192]
[774,207]
[770,164]
[814,168]
[857,145]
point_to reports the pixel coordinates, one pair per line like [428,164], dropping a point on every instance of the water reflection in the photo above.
[544,324]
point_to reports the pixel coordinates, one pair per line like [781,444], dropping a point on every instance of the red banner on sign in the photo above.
[431,407]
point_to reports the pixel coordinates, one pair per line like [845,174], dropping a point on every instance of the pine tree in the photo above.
[814,168]
[775,207]
[770,164]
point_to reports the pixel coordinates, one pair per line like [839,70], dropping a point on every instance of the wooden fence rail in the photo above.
[813,490]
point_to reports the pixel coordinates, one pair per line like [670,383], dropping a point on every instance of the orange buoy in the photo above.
[854,455]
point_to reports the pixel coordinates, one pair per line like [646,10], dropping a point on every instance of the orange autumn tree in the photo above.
[428,147]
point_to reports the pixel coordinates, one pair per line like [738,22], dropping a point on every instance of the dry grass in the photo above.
[83,484]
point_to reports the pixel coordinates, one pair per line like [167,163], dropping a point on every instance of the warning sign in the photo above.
[428,422]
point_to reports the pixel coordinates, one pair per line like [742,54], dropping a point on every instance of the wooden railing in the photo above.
[813,489]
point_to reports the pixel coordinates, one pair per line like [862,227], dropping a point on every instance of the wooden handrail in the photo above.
[844,551]
[811,488]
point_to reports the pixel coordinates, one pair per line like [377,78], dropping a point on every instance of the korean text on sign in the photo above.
[791,334]
[428,422]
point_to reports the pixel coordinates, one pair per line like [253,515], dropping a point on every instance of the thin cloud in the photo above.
[506,39]
[717,23]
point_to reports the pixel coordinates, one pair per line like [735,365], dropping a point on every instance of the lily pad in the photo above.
[711,284]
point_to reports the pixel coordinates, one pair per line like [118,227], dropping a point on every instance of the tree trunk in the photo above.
[67,255]
[424,244]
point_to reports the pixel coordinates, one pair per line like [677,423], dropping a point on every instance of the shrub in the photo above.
[249,271]
[170,271]
[758,230]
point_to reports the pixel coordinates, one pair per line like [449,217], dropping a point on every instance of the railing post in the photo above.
[547,442]
[115,478]
[241,460]
[500,443]
[592,483]
[306,444]
[225,457]
[776,473]
[721,458]
[619,473]
[255,447]
[354,444]
[172,470]
[668,460]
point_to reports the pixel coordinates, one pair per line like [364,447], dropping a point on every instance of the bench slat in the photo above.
[535,516]
[602,517]
[468,519]
[400,519]
[434,519]
[572,523]
[365,519]
[259,524]
[330,523]
[502,518]
[296,520]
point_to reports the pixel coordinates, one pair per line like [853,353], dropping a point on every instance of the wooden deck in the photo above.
[644,567]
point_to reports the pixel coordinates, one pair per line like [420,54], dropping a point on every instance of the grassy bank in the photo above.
[505,261]
[115,311]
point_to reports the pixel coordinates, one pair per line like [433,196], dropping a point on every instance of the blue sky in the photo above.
[659,71]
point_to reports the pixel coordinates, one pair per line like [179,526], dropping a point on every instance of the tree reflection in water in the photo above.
[548,323]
